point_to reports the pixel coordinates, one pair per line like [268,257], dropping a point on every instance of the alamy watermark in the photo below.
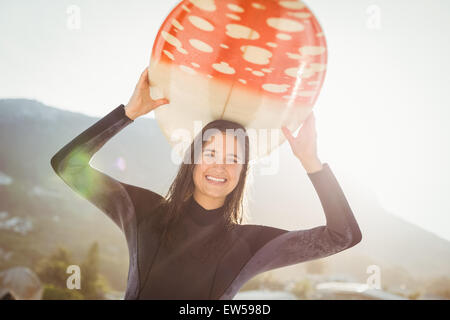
[74,280]
[374,280]
[373,21]
[263,147]
[73,21]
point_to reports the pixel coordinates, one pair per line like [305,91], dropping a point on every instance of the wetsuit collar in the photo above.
[204,216]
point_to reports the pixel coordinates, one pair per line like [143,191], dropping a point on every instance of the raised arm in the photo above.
[274,248]
[72,164]
[122,202]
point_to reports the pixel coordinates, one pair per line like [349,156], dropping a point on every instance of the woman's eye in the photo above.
[229,160]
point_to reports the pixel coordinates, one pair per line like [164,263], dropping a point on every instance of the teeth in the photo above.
[215,179]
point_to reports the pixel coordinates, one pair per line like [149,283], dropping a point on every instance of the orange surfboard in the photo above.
[260,63]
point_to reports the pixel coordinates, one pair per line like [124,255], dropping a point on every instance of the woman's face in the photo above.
[222,158]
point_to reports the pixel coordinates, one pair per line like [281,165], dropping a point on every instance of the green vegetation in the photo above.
[303,289]
[68,222]
[52,271]
[52,292]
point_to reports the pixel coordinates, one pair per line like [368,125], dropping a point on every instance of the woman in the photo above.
[192,243]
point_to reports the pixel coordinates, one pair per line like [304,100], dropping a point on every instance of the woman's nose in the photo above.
[219,161]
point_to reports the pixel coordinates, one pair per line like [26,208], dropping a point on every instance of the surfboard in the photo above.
[260,63]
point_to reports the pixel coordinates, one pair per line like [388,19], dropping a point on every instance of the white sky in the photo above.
[380,115]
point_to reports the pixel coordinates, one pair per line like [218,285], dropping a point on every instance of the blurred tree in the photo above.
[303,289]
[52,292]
[415,295]
[52,270]
[93,285]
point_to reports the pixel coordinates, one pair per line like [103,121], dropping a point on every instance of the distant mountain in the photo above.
[31,133]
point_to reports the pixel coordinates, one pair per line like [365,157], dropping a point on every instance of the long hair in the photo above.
[182,188]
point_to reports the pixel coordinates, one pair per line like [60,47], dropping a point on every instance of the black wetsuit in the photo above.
[188,272]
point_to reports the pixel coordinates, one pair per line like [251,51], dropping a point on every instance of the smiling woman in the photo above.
[214,173]
[192,244]
[218,173]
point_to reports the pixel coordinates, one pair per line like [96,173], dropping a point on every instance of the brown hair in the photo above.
[182,188]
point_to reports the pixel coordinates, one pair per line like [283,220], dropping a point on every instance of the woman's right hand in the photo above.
[141,102]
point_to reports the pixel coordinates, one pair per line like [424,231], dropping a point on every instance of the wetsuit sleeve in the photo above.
[72,164]
[275,248]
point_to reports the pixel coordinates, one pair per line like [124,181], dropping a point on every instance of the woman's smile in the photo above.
[215,180]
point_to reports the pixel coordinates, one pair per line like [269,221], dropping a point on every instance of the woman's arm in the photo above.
[291,247]
[72,164]
[120,201]
[277,247]
[274,248]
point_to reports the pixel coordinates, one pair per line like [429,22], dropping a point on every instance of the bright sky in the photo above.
[380,115]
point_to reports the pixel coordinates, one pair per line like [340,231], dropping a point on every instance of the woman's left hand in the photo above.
[304,145]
